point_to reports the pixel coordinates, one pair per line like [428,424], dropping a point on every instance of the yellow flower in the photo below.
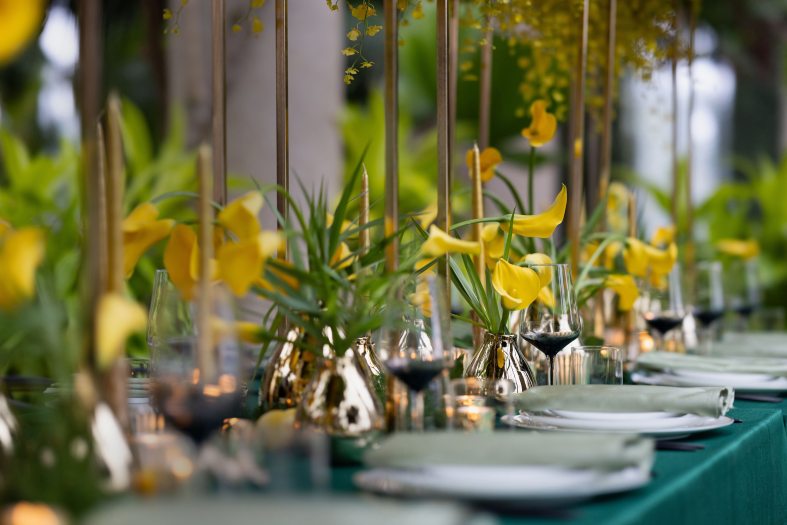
[20,21]
[181,259]
[544,273]
[21,252]
[141,230]
[494,243]
[489,160]
[663,236]
[546,297]
[116,319]
[542,127]
[256,25]
[362,11]
[640,257]
[427,216]
[353,34]
[747,249]
[342,257]
[618,197]
[421,298]
[346,225]
[625,287]
[517,286]
[245,331]
[241,215]
[440,243]
[240,264]
[543,224]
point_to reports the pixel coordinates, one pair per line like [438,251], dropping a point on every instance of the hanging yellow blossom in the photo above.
[362,11]
[542,126]
[663,236]
[21,252]
[517,286]
[116,319]
[20,21]
[543,224]
[342,257]
[625,287]
[494,243]
[421,298]
[241,215]
[440,243]
[490,158]
[544,272]
[240,263]
[181,259]
[640,258]
[745,249]
[141,230]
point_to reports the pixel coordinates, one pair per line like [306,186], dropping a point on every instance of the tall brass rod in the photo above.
[609,94]
[205,236]
[114,192]
[364,236]
[577,137]
[444,153]
[282,117]
[485,89]
[453,66]
[89,97]
[219,111]
[689,246]
[391,74]
[674,144]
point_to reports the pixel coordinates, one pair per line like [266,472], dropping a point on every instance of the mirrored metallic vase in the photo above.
[370,365]
[288,373]
[499,357]
[341,400]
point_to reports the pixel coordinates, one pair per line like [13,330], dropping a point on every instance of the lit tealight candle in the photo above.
[475,418]
[470,401]
[25,513]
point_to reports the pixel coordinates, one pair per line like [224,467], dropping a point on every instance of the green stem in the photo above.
[530,170]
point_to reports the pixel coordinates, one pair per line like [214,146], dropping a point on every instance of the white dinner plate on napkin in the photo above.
[658,427]
[740,382]
[525,485]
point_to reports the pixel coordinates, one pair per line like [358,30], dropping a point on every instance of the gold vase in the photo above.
[288,373]
[499,357]
[341,400]
[370,365]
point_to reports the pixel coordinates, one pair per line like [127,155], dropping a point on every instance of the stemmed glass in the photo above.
[196,388]
[708,300]
[552,325]
[742,289]
[416,358]
[663,307]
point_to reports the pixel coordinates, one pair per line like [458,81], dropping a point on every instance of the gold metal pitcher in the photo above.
[499,357]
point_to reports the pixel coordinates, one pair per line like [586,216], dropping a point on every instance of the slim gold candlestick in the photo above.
[577,127]
[391,73]
[365,239]
[219,111]
[478,213]
[205,242]
[101,243]
[675,159]
[444,149]
[282,113]
[609,94]
[689,255]
[114,192]
[485,89]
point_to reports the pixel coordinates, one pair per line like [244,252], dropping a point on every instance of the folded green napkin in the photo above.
[754,344]
[511,449]
[665,361]
[702,401]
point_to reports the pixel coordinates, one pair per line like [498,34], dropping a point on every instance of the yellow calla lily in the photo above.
[4,227]
[494,243]
[291,281]
[543,125]
[345,223]
[517,286]
[546,297]
[428,216]
[116,319]
[544,273]
[181,259]
[663,236]
[543,224]
[440,243]
[241,216]
[490,158]
[640,257]
[625,287]
[141,230]
[342,257]
[19,24]
[421,298]
[21,252]
[618,197]
[747,249]
[240,263]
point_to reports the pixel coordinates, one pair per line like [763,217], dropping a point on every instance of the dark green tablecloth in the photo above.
[740,478]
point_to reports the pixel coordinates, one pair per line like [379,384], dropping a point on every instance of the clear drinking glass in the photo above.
[662,308]
[196,384]
[477,403]
[552,327]
[708,301]
[418,357]
[590,365]
[743,291]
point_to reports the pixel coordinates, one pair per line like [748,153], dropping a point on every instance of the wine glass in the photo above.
[196,380]
[552,327]
[742,289]
[663,307]
[415,358]
[708,300]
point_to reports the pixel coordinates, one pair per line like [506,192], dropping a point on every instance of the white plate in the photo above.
[773,384]
[725,378]
[536,485]
[684,425]
[612,416]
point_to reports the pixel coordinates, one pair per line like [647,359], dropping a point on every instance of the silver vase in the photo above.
[499,357]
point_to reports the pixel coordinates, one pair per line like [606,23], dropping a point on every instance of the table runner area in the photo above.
[740,477]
